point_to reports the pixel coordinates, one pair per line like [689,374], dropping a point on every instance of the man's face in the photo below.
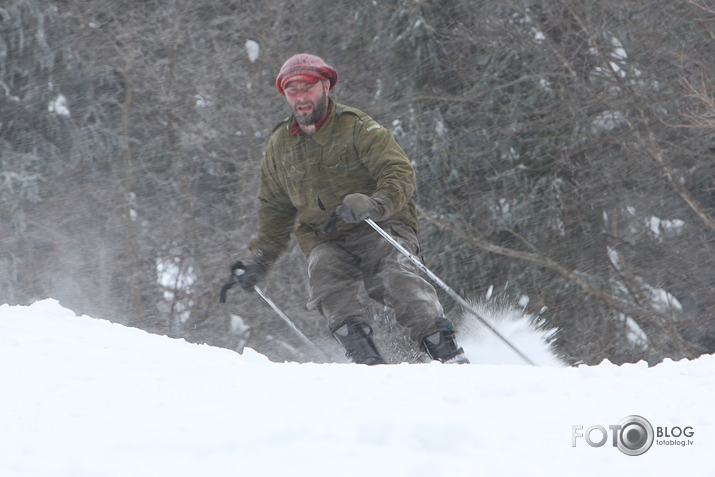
[309,101]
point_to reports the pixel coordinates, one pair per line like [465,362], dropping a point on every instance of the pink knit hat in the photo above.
[305,67]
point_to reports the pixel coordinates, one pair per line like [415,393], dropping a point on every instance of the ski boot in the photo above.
[354,335]
[441,344]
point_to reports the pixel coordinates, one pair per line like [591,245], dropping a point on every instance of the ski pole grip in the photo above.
[238,269]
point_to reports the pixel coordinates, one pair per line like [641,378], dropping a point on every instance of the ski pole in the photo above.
[289,322]
[465,304]
[237,271]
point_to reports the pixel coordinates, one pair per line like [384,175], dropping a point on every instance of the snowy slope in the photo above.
[83,397]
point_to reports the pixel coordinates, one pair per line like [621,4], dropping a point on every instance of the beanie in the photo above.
[305,67]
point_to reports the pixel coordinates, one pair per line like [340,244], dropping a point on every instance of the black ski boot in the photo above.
[441,344]
[354,335]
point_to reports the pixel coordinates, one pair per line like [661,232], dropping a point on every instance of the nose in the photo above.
[302,94]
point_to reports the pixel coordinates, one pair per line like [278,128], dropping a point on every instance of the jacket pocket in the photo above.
[295,174]
[337,161]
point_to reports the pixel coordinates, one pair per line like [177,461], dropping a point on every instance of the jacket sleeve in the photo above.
[386,161]
[276,214]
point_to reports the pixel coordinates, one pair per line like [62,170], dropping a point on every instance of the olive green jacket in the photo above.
[306,178]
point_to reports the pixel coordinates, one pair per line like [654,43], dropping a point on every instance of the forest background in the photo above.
[565,153]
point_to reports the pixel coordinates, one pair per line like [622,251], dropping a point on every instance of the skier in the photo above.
[326,169]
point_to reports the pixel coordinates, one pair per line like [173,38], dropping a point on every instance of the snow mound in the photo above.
[85,397]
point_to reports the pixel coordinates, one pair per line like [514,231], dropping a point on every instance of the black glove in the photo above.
[358,207]
[248,274]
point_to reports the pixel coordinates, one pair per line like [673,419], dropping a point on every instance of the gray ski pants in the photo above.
[338,268]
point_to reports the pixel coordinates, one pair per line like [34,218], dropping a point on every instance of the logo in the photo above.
[633,435]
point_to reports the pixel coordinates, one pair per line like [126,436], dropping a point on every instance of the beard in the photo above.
[316,114]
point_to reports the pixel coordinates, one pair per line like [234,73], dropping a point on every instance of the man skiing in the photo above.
[326,169]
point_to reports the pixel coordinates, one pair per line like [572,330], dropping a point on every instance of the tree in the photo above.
[552,150]
[563,150]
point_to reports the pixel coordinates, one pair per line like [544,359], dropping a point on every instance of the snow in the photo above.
[59,106]
[253,50]
[607,121]
[84,397]
[658,225]
[482,347]
[635,334]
